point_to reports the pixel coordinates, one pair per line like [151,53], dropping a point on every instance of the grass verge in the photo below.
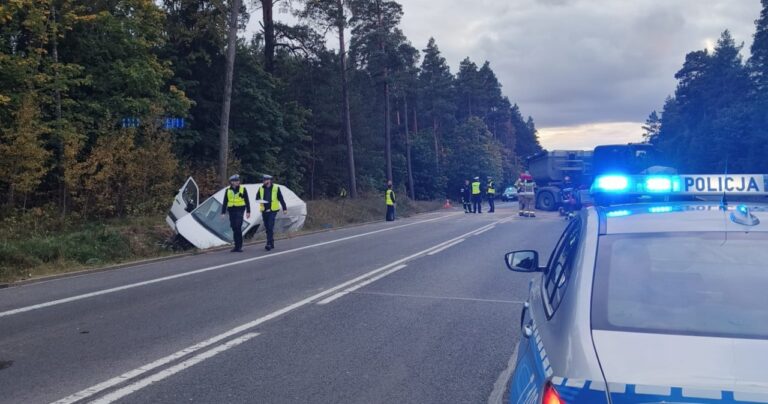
[38,244]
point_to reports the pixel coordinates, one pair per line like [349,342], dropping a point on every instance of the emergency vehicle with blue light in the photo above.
[657,294]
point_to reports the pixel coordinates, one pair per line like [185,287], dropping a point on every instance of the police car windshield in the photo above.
[711,284]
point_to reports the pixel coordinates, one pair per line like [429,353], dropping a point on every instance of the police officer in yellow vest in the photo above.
[491,194]
[272,201]
[236,203]
[389,198]
[477,196]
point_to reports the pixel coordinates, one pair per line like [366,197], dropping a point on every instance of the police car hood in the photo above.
[670,368]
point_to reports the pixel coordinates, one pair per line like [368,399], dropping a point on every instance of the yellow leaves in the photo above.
[23,158]
[128,171]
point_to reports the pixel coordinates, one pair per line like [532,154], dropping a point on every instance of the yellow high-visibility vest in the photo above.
[235,199]
[274,204]
[476,188]
[491,189]
[388,196]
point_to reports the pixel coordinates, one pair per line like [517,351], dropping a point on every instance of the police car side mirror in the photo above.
[523,261]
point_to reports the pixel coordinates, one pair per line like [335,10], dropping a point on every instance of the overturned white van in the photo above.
[203,226]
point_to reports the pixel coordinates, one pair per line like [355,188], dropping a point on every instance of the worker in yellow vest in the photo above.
[271,202]
[236,204]
[477,196]
[389,198]
[490,193]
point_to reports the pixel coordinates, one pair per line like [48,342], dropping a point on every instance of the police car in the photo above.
[661,299]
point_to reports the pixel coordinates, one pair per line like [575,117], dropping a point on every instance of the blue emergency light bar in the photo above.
[692,184]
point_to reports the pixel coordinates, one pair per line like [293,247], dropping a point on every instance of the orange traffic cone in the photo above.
[447,204]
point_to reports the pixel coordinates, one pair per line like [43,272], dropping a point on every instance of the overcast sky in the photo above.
[588,71]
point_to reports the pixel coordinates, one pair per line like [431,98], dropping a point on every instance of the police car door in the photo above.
[185,201]
[533,368]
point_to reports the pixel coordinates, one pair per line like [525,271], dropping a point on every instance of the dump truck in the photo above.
[550,168]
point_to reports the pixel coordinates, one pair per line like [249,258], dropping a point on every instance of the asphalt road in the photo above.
[421,310]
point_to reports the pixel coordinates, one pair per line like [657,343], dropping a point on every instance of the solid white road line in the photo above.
[429,251]
[203,270]
[447,246]
[134,387]
[360,285]
[242,328]
[144,369]
[477,233]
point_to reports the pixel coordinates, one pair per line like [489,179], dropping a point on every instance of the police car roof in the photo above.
[693,216]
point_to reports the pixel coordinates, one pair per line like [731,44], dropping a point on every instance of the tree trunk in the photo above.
[415,121]
[387,113]
[57,99]
[437,146]
[387,129]
[312,169]
[346,120]
[226,102]
[408,151]
[269,35]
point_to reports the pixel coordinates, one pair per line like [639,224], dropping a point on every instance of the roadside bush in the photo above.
[330,213]
[23,253]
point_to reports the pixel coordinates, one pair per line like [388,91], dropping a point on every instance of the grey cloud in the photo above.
[574,62]
[556,2]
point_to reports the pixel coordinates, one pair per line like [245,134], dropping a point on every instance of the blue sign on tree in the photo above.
[130,122]
[168,122]
[173,123]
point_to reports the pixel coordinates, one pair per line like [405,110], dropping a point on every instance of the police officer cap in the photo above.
[266,177]
[477,178]
[235,177]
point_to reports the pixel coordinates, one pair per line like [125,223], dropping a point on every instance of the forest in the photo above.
[717,119]
[107,105]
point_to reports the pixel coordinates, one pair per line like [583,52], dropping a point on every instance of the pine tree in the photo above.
[436,94]
[468,90]
[652,127]
[758,62]
[333,14]
[375,38]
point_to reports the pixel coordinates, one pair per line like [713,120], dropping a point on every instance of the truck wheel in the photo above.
[546,201]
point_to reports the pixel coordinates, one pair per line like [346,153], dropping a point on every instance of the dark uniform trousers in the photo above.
[477,203]
[491,203]
[269,226]
[390,213]
[236,222]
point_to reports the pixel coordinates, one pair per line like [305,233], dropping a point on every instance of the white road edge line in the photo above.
[360,285]
[202,270]
[477,233]
[447,246]
[93,390]
[134,387]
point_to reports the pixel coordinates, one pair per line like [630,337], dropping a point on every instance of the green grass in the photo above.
[76,247]
[328,214]
[39,243]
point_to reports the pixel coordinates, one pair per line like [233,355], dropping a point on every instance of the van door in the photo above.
[184,202]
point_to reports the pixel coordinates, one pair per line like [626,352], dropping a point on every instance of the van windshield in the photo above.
[710,284]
